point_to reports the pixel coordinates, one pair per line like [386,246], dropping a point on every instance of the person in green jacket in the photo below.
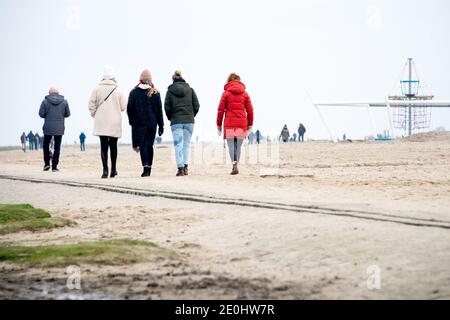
[181,106]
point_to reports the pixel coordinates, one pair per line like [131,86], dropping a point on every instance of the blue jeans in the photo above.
[182,134]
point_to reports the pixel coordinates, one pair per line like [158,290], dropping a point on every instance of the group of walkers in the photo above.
[35,141]
[145,116]
[285,135]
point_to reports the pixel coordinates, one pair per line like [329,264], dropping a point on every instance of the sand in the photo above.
[305,225]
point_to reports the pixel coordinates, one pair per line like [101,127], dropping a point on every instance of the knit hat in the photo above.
[108,73]
[146,76]
[53,90]
[176,75]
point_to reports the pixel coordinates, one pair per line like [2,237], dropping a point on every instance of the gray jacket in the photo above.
[54,109]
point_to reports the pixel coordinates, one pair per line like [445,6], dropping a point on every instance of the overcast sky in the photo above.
[335,50]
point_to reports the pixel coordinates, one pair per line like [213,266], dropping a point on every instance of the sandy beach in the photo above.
[310,224]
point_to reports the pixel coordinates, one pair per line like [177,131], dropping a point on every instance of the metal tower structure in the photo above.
[409,110]
[405,116]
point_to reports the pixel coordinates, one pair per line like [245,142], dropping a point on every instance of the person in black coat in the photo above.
[145,115]
[54,109]
[301,132]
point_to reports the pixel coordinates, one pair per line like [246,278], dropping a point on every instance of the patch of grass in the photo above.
[112,252]
[18,217]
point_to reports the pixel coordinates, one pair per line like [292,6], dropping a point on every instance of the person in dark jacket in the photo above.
[181,106]
[285,134]
[23,141]
[301,132]
[145,115]
[37,138]
[54,109]
[258,137]
[82,141]
[30,138]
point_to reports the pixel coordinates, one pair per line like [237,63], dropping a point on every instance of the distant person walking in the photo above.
[285,134]
[181,106]
[106,105]
[301,132]
[54,109]
[258,137]
[30,138]
[37,138]
[236,106]
[145,115]
[23,141]
[82,141]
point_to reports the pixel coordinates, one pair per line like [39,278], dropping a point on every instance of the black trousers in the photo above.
[105,144]
[56,151]
[146,150]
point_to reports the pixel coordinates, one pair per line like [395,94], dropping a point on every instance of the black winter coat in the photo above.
[144,113]
[54,109]
[181,104]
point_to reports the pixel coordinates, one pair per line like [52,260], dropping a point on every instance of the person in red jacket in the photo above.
[237,108]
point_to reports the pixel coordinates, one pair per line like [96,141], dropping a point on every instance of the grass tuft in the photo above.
[19,217]
[112,252]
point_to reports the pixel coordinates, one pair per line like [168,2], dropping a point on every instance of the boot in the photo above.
[186,171]
[235,169]
[113,173]
[147,171]
[180,172]
[105,173]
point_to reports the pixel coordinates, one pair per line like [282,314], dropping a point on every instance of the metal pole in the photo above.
[372,122]
[410,97]
[324,123]
[391,124]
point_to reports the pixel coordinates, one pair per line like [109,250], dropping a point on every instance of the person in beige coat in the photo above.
[106,105]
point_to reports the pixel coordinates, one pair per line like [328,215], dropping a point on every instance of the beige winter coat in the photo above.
[107,115]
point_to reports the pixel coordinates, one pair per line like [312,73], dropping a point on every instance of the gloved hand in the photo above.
[160,131]
[136,149]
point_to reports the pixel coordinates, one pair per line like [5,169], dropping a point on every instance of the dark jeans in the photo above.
[105,144]
[82,146]
[146,150]
[56,151]
[301,137]
[234,148]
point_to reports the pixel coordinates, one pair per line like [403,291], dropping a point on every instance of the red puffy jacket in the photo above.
[237,107]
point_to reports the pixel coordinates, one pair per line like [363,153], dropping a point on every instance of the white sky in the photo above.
[335,50]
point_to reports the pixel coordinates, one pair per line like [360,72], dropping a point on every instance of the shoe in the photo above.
[186,171]
[105,173]
[147,171]
[113,173]
[180,172]
[46,168]
[55,170]
[235,169]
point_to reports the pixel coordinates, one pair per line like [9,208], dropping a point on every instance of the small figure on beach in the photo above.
[23,141]
[54,109]
[30,139]
[181,106]
[145,116]
[284,135]
[301,132]
[106,104]
[236,106]
[37,139]
[82,138]
[294,137]
[258,136]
